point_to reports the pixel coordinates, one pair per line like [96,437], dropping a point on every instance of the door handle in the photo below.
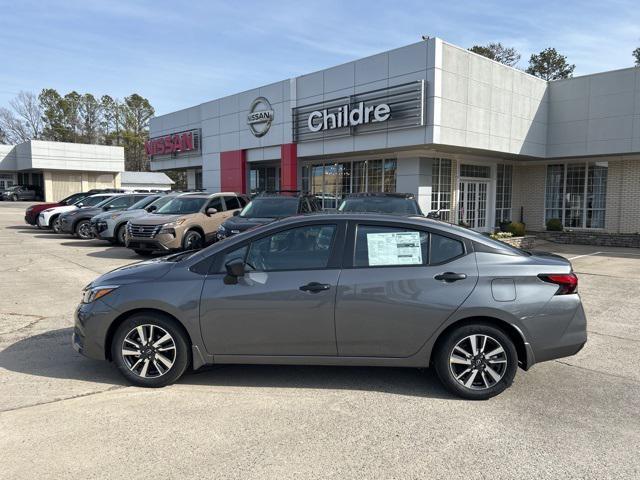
[450,276]
[315,287]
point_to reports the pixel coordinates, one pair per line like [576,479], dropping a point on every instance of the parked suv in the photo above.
[21,192]
[50,217]
[78,222]
[389,203]
[265,208]
[185,223]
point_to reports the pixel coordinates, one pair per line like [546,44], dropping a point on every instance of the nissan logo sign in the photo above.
[260,116]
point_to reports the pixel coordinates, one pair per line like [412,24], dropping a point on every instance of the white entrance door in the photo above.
[472,204]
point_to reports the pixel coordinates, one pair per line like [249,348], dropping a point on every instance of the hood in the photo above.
[241,224]
[134,273]
[38,207]
[156,219]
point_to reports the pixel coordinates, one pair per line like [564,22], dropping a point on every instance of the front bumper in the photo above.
[153,241]
[41,221]
[91,325]
[66,225]
[30,219]
[101,230]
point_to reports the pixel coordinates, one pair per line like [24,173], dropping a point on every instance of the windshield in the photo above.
[182,206]
[142,203]
[270,207]
[392,205]
[161,202]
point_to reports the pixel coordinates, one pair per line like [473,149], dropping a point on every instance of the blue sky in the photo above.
[179,54]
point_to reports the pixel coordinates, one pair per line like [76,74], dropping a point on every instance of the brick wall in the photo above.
[585,237]
[528,192]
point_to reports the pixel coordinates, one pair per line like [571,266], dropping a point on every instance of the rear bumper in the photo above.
[570,334]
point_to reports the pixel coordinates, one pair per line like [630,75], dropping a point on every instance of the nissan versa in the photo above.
[339,289]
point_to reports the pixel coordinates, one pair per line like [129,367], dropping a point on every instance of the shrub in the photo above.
[499,235]
[554,225]
[517,229]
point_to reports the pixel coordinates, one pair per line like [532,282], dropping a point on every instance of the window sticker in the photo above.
[397,248]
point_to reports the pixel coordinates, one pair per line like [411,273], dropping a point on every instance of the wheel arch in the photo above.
[52,219]
[128,314]
[525,356]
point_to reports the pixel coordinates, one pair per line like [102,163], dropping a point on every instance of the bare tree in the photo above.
[24,120]
[13,129]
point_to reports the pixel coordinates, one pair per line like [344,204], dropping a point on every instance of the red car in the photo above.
[32,212]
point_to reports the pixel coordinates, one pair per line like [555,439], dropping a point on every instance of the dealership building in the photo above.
[60,169]
[472,138]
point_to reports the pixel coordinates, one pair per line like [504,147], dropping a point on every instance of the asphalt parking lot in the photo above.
[64,416]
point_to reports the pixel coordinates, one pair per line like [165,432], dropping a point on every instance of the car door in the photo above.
[284,305]
[210,223]
[394,296]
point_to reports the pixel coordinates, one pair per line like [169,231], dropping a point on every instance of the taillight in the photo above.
[568,282]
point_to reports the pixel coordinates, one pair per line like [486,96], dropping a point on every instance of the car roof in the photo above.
[381,195]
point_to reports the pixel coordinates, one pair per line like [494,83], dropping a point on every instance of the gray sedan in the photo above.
[350,289]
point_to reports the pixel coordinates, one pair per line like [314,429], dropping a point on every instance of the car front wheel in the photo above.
[55,225]
[120,233]
[150,350]
[192,240]
[476,361]
[83,230]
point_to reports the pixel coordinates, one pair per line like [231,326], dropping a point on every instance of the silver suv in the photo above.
[339,289]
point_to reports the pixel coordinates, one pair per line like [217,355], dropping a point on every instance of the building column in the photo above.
[289,166]
[233,171]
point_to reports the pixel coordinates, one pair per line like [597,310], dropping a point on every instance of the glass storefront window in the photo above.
[504,182]
[576,194]
[441,187]
[333,181]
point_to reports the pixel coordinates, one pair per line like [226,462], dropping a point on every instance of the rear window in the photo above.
[444,249]
[388,205]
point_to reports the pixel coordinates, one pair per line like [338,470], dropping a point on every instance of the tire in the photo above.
[144,253]
[83,230]
[164,365]
[491,374]
[55,224]
[192,240]
[14,198]
[119,236]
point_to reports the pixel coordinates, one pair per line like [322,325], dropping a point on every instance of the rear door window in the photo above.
[232,202]
[444,249]
[378,246]
[216,203]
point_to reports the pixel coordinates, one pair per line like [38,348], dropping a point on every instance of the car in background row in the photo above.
[339,289]
[387,203]
[78,222]
[32,212]
[265,208]
[50,218]
[111,226]
[21,192]
[187,222]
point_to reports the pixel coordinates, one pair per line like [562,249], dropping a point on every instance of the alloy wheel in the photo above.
[478,362]
[120,236]
[193,241]
[149,351]
[84,230]
[56,225]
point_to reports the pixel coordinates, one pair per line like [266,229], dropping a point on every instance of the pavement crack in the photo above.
[57,400]
[613,336]
[37,318]
[629,379]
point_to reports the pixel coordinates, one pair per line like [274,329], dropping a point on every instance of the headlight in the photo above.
[91,294]
[169,227]
[221,229]
[115,215]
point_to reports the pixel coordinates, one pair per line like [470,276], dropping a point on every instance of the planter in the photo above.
[585,237]
[527,242]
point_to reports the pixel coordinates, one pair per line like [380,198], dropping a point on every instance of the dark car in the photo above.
[339,289]
[388,203]
[21,192]
[265,208]
[78,222]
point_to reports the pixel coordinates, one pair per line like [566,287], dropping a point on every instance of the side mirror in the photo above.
[212,211]
[151,208]
[235,268]
[236,213]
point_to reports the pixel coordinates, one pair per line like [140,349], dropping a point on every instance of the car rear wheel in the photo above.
[192,240]
[150,350]
[55,224]
[120,232]
[83,229]
[476,361]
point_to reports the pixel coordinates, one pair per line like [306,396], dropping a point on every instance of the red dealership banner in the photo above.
[173,143]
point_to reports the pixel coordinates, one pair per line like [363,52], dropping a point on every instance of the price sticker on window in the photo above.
[396,248]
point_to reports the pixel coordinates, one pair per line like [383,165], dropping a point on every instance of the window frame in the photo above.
[335,254]
[350,244]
